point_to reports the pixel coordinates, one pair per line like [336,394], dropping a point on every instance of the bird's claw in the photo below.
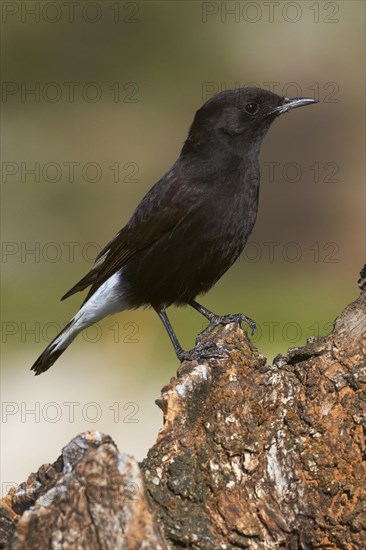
[216,320]
[238,318]
[204,351]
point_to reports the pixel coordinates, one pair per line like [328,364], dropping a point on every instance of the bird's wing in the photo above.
[167,203]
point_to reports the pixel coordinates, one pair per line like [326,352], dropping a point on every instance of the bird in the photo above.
[189,228]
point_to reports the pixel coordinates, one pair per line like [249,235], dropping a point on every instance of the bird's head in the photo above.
[239,119]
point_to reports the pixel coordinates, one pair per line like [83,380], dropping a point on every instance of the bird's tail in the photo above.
[106,300]
[56,347]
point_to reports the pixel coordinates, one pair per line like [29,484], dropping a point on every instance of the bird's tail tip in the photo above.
[54,349]
[46,359]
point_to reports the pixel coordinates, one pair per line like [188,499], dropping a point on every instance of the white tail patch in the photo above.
[108,299]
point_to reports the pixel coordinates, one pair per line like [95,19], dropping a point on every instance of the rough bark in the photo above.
[250,455]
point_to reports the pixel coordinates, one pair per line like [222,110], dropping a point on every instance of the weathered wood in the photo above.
[250,455]
[92,497]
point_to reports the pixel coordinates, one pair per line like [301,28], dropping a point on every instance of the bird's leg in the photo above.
[168,327]
[220,320]
[193,355]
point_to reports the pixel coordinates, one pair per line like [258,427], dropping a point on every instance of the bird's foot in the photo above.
[203,351]
[216,320]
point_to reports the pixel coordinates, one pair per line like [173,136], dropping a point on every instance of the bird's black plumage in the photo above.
[193,223]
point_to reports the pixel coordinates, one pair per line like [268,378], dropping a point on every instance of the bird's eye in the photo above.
[251,108]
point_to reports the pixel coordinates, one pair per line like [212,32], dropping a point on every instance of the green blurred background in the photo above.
[116,85]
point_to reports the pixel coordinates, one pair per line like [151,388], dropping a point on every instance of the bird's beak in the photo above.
[292,103]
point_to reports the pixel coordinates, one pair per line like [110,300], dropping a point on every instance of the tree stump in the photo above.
[251,455]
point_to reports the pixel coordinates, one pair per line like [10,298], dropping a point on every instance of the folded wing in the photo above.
[167,203]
